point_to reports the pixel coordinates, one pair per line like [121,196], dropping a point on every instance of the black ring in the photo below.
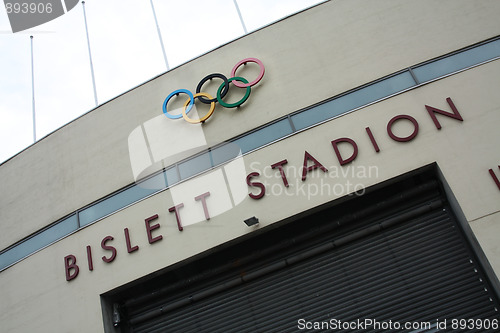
[209,77]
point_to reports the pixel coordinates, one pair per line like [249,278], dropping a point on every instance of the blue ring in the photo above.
[189,107]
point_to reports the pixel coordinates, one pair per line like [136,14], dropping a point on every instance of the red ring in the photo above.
[254,82]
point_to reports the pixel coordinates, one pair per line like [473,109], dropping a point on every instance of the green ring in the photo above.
[241,101]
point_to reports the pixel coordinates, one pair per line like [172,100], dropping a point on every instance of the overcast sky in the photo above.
[125,52]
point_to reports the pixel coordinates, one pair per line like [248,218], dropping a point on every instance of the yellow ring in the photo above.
[205,117]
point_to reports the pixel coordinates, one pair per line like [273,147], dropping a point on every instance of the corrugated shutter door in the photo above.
[415,267]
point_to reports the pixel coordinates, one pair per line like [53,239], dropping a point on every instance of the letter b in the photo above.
[70,263]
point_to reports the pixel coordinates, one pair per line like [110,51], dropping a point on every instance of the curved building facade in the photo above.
[354,184]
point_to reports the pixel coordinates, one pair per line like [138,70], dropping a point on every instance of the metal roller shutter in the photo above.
[402,260]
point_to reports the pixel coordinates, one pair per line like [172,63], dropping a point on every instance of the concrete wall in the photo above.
[324,51]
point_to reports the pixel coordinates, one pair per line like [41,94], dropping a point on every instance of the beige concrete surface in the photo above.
[325,51]
[330,48]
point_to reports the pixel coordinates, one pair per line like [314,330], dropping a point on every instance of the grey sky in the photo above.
[125,52]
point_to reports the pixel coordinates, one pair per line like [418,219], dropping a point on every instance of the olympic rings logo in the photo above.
[205,98]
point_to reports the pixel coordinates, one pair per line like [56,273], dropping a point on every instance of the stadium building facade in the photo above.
[345,172]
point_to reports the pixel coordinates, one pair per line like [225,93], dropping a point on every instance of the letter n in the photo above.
[455,114]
